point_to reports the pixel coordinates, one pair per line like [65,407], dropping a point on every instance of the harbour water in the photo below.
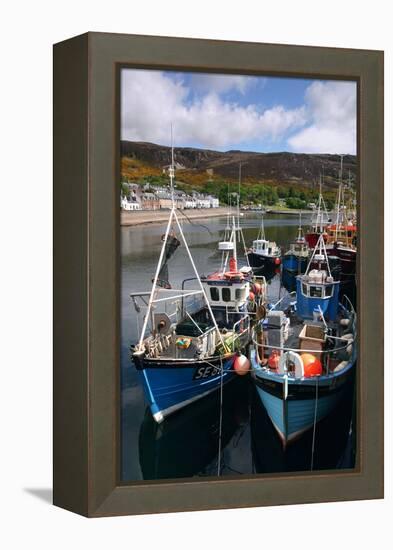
[186,444]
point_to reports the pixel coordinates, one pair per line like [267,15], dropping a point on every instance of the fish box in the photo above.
[312,337]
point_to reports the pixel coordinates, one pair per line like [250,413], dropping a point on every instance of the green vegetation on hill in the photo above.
[253,191]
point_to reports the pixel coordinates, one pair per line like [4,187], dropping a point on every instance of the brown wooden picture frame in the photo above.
[86,274]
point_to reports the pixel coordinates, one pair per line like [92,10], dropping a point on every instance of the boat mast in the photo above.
[239,229]
[319,252]
[339,196]
[234,241]
[299,229]
[261,234]
[238,195]
[152,298]
[172,170]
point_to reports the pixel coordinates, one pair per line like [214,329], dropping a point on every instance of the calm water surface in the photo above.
[186,444]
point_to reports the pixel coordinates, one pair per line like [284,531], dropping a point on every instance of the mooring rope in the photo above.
[315,424]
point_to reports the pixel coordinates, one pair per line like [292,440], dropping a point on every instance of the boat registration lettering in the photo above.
[206,371]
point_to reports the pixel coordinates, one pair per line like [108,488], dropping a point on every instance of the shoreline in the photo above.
[291,212]
[151,217]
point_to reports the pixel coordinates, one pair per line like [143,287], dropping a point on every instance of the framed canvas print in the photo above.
[218,274]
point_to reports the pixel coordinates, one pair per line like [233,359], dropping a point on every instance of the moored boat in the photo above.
[195,343]
[341,237]
[295,258]
[304,356]
[263,254]
[319,220]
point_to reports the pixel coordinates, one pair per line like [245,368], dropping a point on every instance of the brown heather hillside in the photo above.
[196,166]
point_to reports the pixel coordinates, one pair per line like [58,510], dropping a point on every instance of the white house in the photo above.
[125,204]
[203,202]
[214,202]
[190,202]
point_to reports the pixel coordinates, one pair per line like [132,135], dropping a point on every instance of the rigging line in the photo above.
[195,224]
[315,424]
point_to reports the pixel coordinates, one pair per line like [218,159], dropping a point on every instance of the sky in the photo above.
[249,113]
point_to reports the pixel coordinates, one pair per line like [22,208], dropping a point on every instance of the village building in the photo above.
[214,202]
[150,201]
[127,204]
[190,202]
[148,197]
[203,202]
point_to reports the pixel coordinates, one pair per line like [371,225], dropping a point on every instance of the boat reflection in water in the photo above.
[186,443]
[334,447]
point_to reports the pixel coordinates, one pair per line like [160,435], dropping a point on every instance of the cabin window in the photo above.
[214,294]
[240,294]
[226,294]
[316,291]
[304,289]
[328,291]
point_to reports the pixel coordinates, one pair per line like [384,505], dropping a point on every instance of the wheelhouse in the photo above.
[317,292]
[265,247]
[299,249]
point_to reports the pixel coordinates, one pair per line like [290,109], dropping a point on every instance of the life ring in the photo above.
[291,362]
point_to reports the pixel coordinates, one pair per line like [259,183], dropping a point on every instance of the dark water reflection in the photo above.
[186,444]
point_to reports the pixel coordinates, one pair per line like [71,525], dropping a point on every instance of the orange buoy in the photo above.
[241,364]
[277,261]
[274,359]
[312,365]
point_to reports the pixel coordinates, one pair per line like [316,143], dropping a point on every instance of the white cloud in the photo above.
[151,102]
[221,83]
[331,108]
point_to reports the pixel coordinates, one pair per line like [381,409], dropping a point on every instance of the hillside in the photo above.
[293,169]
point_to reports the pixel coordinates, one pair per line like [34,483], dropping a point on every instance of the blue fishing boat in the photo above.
[195,344]
[296,257]
[304,356]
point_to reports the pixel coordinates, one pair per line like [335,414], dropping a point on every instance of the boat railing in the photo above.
[346,302]
[332,358]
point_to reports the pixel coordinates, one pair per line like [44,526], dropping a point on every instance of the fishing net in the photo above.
[171,246]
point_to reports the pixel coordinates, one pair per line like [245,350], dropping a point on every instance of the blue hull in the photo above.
[292,263]
[170,388]
[294,411]
[300,413]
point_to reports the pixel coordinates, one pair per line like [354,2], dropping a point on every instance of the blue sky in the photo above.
[226,112]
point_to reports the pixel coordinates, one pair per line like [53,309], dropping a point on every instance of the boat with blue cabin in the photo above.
[296,257]
[304,355]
